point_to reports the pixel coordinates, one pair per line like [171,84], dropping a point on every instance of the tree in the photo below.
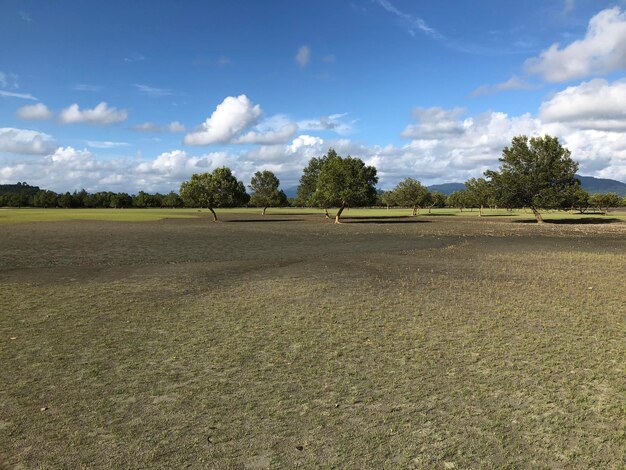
[45,198]
[478,193]
[411,193]
[437,199]
[344,182]
[388,199]
[457,199]
[264,185]
[537,173]
[580,200]
[308,180]
[213,190]
[602,201]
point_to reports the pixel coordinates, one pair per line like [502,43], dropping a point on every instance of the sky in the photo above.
[130,96]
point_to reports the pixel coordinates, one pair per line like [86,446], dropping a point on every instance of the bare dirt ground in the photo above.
[284,341]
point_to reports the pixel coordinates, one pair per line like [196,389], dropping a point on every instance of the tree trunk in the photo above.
[214,214]
[343,206]
[264,209]
[326,216]
[538,216]
[429,209]
[480,211]
[414,210]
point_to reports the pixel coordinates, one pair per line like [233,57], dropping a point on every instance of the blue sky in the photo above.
[139,95]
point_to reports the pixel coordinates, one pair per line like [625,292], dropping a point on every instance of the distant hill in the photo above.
[589,183]
[19,188]
[602,185]
[447,188]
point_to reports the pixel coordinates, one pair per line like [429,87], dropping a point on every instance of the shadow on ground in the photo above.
[584,221]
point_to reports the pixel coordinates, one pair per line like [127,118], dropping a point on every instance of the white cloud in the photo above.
[151,127]
[24,141]
[23,96]
[106,144]
[303,56]
[231,117]
[101,114]
[333,122]
[34,112]
[176,126]
[595,105]
[413,23]
[146,127]
[602,50]
[303,141]
[513,83]
[435,123]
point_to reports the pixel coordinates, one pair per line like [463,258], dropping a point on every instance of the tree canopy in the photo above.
[344,182]
[537,173]
[266,192]
[411,193]
[308,180]
[212,190]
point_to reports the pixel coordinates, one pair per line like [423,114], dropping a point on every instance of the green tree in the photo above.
[266,192]
[172,200]
[538,173]
[305,196]
[437,199]
[457,199]
[603,201]
[213,190]
[580,200]
[120,200]
[478,193]
[45,198]
[344,182]
[411,193]
[388,199]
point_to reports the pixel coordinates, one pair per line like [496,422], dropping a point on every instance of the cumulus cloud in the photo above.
[602,50]
[595,105]
[34,112]
[435,123]
[303,56]
[303,141]
[101,114]
[513,83]
[24,141]
[231,117]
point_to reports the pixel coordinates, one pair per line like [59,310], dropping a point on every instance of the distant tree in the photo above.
[265,191]
[580,200]
[437,199]
[121,200]
[213,190]
[344,182]
[457,199]
[45,198]
[604,201]
[172,200]
[537,173]
[478,193]
[388,199]
[411,193]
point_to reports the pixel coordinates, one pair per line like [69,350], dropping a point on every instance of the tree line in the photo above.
[536,173]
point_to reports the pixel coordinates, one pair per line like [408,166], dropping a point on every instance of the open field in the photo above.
[442,341]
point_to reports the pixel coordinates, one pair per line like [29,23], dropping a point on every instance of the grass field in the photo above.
[139,340]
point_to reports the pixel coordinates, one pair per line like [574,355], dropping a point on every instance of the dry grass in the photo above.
[452,343]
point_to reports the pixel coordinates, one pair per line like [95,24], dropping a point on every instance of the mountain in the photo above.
[602,185]
[447,188]
[588,183]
